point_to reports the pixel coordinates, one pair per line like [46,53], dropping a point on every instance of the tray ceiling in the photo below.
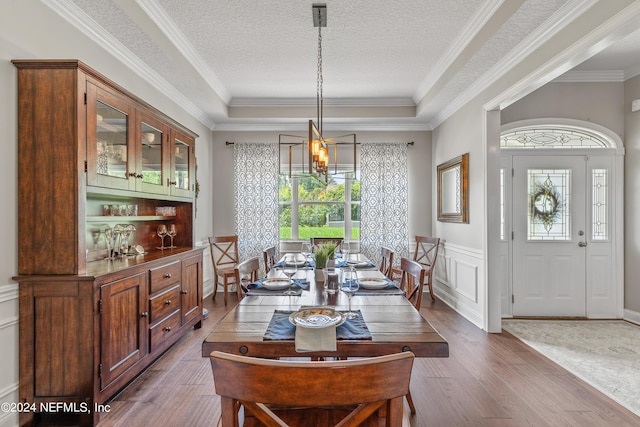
[246,63]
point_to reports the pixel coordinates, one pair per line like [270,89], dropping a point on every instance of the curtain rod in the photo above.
[339,143]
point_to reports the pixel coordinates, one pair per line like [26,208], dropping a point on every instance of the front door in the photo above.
[549,236]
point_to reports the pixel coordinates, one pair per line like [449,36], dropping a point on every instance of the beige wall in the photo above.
[632,197]
[420,175]
[600,103]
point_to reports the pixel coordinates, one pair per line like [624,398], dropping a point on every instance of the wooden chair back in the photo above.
[269,257]
[247,272]
[260,385]
[386,263]
[426,254]
[224,252]
[412,281]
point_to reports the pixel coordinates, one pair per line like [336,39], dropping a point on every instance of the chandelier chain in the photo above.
[319,82]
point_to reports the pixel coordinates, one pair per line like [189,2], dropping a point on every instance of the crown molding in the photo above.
[158,15]
[303,127]
[600,37]
[629,74]
[328,102]
[80,20]
[486,11]
[521,51]
[580,76]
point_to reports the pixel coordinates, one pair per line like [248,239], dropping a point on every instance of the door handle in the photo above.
[582,244]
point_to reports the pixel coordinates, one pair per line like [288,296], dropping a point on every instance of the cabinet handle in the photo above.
[167,276]
[168,302]
[183,292]
[140,176]
[173,182]
[133,174]
[144,314]
[168,329]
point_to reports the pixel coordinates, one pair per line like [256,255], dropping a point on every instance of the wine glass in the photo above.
[306,251]
[172,233]
[350,287]
[162,231]
[344,249]
[290,269]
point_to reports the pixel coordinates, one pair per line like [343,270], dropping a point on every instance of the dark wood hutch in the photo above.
[94,158]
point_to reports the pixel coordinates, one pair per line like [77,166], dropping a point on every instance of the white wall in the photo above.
[28,29]
[632,201]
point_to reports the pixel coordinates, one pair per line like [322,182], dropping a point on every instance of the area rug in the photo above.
[603,353]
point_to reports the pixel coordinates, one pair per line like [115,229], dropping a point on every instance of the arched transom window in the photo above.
[551,137]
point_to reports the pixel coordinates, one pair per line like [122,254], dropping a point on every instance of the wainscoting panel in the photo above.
[459,281]
[207,270]
[9,338]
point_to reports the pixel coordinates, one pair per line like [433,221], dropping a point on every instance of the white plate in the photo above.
[373,283]
[297,262]
[358,263]
[317,317]
[276,283]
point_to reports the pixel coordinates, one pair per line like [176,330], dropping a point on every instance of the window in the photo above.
[309,208]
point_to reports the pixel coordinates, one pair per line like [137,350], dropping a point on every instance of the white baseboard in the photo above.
[631,316]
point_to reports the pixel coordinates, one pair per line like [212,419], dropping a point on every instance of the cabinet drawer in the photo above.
[164,331]
[163,277]
[164,303]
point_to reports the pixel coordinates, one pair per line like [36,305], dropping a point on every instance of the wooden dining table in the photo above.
[393,322]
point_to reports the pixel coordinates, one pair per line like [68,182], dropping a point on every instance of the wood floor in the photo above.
[488,380]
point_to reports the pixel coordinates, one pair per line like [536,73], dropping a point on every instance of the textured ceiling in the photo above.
[254,62]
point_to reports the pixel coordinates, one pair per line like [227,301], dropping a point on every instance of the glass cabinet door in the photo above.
[109,153]
[182,180]
[153,165]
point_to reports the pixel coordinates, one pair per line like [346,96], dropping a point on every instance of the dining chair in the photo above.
[244,273]
[298,392]
[224,256]
[386,263]
[269,257]
[425,254]
[412,281]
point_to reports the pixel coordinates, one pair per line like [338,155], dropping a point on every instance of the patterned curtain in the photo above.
[256,197]
[384,200]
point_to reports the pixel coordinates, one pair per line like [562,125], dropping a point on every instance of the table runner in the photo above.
[281,329]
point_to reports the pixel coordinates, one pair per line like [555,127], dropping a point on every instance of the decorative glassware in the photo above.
[172,233]
[162,231]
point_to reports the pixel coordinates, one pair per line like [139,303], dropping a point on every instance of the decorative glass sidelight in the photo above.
[549,216]
[600,218]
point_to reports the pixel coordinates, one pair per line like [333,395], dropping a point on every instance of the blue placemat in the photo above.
[281,329]
[256,288]
[309,263]
[343,264]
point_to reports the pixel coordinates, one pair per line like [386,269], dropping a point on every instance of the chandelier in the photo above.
[318,155]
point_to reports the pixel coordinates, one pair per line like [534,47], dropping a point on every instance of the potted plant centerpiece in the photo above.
[324,251]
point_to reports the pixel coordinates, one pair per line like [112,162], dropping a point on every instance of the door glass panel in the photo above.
[599,227]
[549,216]
[112,141]
[181,172]
[151,154]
